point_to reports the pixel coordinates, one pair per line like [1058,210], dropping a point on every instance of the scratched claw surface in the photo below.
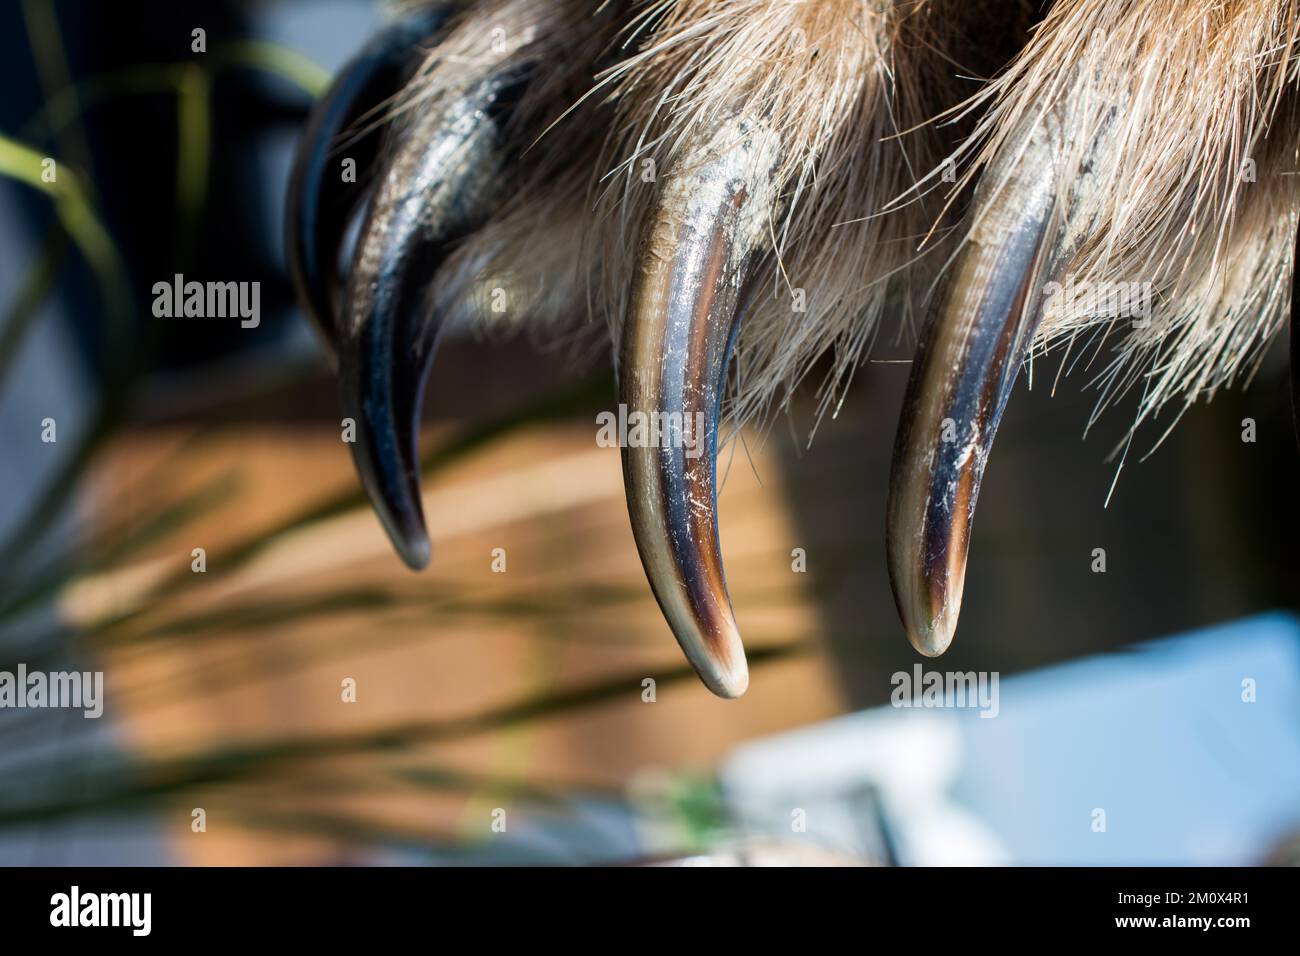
[970,354]
[685,311]
[780,160]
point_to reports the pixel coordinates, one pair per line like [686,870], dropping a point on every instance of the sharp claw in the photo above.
[433,191]
[709,221]
[320,203]
[970,354]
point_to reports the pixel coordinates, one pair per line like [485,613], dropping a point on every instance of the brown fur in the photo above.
[861,94]
[1190,90]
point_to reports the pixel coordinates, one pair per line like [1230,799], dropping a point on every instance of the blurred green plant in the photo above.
[49,787]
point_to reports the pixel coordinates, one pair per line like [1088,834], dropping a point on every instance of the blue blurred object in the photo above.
[1186,748]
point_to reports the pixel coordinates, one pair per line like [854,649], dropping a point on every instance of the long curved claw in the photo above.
[321,203]
[970,354]
[435,189]
[710,220]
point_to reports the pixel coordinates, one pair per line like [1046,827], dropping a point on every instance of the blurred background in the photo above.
[307,700]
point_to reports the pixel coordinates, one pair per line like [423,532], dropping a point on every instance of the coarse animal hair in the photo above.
[870,100]
[1170,101]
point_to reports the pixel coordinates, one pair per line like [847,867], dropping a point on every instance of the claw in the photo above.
[1295,336]
[320,203]
[435,190]
[970,354]
[710,220]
